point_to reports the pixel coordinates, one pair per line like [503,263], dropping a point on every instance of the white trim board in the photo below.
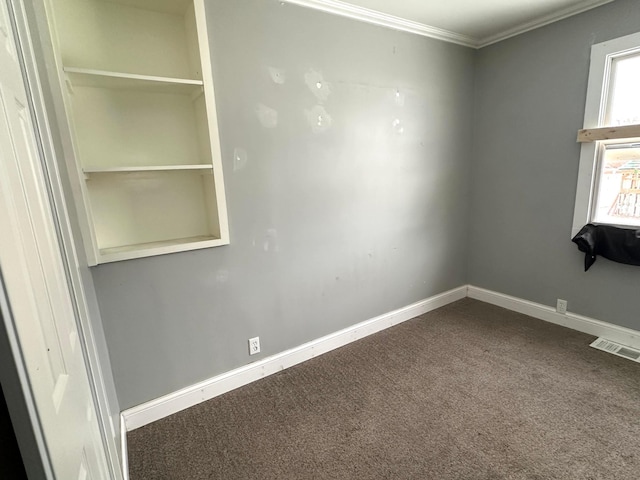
[375,17]
[124,451]
[591,326]
[187,397]
[540,22]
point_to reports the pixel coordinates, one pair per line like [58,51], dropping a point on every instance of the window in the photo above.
[609,177]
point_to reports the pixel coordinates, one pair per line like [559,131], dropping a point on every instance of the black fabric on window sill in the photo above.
[620,245]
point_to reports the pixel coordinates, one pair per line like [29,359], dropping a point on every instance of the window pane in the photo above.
[623,106]
[618,194]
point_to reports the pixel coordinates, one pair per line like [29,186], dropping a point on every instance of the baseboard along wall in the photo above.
[175,402]
[187,397]
[591,326]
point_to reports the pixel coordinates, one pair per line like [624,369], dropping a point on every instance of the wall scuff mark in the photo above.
[317,85]
[318,118]
[270,243]
[268,117]
[277,75]
[222,275]
[239,159]
[397,126]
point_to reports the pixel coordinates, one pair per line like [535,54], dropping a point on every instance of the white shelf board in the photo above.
[127,252]
[149,168]
[175,7]
[86,77]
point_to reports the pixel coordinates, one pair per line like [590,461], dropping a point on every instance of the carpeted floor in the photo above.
[469,391]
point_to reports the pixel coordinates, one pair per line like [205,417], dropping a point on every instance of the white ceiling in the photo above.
[470,22]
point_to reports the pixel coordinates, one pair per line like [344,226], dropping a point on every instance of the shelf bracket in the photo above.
[68,83]
[197,94]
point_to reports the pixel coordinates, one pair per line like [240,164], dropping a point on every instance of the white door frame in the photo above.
[116,464]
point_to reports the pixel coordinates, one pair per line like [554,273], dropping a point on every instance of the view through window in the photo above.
[618,194]
[617,187]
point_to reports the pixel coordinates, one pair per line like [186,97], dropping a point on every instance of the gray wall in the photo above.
[328,228]
[529,105]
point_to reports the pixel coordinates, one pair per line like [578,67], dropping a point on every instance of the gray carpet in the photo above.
[469,391]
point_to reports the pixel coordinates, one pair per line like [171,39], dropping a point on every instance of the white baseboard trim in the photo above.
[187,397]
[597,328]
[162,407]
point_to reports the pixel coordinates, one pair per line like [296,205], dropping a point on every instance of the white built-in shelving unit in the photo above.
[143,146]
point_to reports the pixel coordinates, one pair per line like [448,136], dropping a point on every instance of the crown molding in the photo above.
[541,22]
[344,9]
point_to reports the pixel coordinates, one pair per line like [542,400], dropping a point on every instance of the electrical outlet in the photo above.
[254,345]
[561,306]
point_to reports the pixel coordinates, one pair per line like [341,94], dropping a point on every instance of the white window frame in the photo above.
[602,56]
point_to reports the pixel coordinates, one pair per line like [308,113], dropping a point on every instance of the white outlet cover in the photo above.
[254,345]
[561,306]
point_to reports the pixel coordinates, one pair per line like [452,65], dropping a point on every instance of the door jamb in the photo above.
[46,150]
